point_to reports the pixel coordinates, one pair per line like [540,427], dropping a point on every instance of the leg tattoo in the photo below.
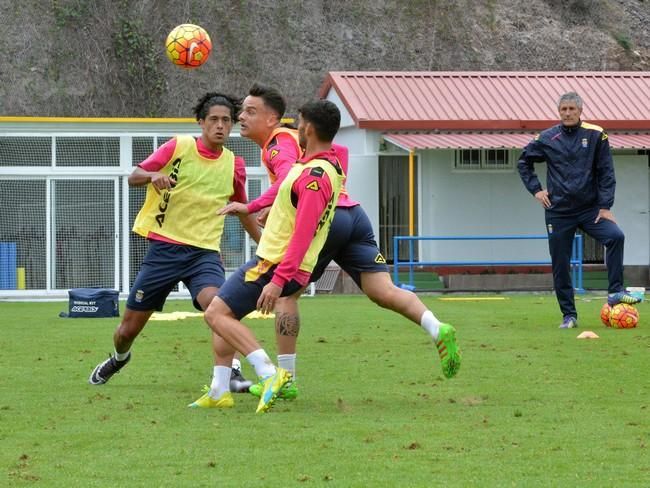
[287,324]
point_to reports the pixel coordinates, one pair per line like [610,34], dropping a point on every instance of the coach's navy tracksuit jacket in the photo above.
[580,181]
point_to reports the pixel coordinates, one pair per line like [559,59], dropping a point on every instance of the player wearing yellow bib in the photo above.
[295,232]
[187,181]
[351,241]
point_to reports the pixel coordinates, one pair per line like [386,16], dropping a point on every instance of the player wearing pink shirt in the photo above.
[351,244]
[296,229]
[187,180]
[260,118]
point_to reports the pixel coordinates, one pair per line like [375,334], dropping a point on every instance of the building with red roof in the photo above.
[463,132]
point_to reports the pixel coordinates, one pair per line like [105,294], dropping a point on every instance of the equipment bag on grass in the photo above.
[93,302]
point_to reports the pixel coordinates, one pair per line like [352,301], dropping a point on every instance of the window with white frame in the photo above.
[482,160]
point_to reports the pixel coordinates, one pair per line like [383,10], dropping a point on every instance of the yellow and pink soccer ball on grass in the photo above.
[620,316]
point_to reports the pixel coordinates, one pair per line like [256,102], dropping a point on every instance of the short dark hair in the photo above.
[211,99]
[272,98]
[324,116]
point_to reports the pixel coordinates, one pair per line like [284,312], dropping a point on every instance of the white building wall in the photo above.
[346,118]
[631,207]
[363,169]
[477,203]
[482,203]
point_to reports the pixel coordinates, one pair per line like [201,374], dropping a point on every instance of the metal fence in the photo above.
[66,209]
[411,263]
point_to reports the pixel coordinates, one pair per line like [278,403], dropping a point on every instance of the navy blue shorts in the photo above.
[244,287]
[165,265]
[351,244]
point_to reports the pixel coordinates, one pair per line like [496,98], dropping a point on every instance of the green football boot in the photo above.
[448,350]
[288,391]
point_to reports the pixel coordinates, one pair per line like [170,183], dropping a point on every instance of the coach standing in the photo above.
[579,194]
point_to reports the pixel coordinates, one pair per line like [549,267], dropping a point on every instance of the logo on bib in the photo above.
[313,185]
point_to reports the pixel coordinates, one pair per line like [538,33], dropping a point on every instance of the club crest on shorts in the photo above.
[549,228]
[139,295]
[379,259]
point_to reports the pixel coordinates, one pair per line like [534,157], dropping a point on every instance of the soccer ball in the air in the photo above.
[624,316]
[188,46]
[605,314]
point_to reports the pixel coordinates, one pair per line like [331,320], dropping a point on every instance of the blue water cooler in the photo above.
[7,265]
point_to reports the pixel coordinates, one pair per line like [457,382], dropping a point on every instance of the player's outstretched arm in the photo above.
[233,208]
[284,156]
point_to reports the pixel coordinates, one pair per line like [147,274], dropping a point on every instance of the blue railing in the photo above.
[576,256]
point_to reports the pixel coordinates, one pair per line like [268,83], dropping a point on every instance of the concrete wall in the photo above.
[631,207]
[363,170]
[484,203]
[346,118]
[460,203]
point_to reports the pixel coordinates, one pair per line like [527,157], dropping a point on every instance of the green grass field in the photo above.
[531,406]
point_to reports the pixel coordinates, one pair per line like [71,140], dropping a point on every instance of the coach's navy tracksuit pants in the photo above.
[561,228]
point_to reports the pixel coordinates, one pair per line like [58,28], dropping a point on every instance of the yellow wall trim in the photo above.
[99,120]
[105,120]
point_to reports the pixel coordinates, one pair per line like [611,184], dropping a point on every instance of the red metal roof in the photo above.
[489,100]
[497,140]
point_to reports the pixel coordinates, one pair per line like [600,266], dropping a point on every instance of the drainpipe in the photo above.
[411,192]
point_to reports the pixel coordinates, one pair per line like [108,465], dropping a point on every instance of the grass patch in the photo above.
[532,406]
[624,41]
[422,280]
